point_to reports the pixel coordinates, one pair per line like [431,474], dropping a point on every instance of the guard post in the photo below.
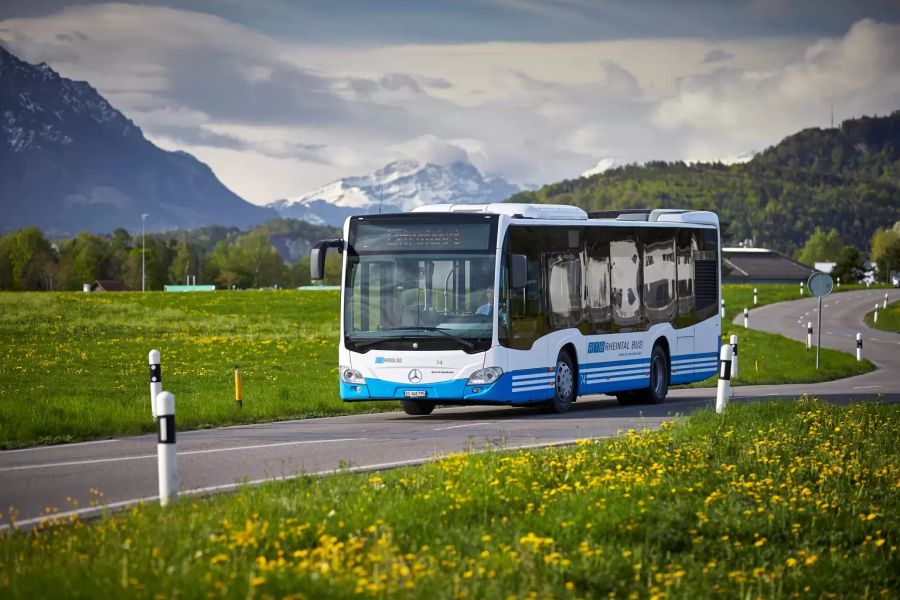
[155,380]
[858,347]
[809,332]
[723,390]
[734,355]
[238,387]
[167,460]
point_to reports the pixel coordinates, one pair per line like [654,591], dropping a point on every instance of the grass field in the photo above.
[888,319]
[74,366]
[769,500]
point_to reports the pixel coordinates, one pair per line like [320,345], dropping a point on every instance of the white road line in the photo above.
[56,446]
[232,486]
[93,461]
[866,387]
[463,425]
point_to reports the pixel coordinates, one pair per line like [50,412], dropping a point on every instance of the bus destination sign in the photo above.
[421,237]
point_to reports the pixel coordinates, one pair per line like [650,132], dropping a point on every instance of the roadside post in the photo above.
[723,389]
[809,332]
[746,319]
[723,307]
[167,460]
[238,387]
[155,380]
[801,288]
[820,285]
[858,347]
[876,312]
[754,296]
[839,282]
[885,301]
[734,357]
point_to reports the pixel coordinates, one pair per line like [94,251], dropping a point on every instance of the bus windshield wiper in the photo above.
[442,330]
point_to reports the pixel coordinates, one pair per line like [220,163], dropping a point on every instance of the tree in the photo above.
[883,239]
[30,260]
[184,263]
[850,266]
[821,247]
[889,261]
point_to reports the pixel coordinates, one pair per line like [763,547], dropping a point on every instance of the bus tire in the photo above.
[659,378]
[563,384]
[417,407]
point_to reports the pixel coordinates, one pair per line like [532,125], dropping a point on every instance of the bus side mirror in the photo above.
[518,271]
[317,257]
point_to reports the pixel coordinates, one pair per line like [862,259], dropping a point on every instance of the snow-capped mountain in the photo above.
[604,165]
[71,162]
[398,187]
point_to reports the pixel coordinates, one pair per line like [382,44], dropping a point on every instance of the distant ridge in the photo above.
[71,162]
[847,178]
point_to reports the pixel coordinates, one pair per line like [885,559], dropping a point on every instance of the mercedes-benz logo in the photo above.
[415,376]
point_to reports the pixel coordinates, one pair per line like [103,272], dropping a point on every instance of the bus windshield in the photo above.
[438,302]
[415,284]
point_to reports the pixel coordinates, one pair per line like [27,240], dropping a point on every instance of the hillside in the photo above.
[847,178]
[71,162]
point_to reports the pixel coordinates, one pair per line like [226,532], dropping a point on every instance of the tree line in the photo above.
[227,258]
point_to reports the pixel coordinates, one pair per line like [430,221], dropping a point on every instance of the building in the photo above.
[759,265]
[108,285]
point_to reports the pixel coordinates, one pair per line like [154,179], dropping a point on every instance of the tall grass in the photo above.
[770,500]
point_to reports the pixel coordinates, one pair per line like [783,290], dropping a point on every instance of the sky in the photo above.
[280,97]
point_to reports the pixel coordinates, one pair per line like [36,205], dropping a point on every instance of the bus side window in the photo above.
[659,274]
[526,313]
[685,246]
[563,289]
[599,310]
[625,259]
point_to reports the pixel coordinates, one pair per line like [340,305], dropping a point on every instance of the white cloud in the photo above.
[275,118]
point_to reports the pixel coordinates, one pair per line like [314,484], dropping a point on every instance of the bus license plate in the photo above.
[415,393]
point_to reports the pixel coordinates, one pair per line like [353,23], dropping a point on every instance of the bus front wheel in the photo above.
[564,384]
[417,407]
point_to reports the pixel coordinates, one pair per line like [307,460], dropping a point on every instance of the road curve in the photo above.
[71,477]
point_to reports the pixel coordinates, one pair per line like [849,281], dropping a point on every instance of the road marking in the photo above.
[827,333]
[232,486]
[463,425]
[56,446]
[93,461]
[866,387]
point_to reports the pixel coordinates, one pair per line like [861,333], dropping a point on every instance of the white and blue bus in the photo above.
[525,304]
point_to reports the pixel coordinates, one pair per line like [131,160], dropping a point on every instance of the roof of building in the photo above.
[761,264]
[108,285]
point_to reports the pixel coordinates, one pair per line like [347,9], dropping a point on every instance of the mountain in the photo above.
[71,162]
[397,187]
[847,178]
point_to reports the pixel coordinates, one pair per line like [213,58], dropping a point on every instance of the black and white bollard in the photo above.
[746,319]
[839,281]
[167,462]
[723,390]
[722,304]
[858,347]
[801,288]
[155,380]
[734,355]
[809,332]
[885,301]
[755,297]
[876,313]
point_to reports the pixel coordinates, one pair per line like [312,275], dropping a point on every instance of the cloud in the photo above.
[275,117]
[716,55]
[859,71]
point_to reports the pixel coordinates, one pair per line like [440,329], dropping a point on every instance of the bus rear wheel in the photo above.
[417,407]
[659,378]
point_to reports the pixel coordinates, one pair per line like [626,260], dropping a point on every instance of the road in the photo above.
[71,478]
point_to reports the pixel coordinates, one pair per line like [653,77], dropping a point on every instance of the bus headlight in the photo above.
[485,376]
[352,375]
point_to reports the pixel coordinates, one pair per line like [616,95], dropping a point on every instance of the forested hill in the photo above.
[847,178]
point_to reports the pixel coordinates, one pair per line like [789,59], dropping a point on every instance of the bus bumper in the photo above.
[501,391]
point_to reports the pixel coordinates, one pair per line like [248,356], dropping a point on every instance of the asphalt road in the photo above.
[72,477]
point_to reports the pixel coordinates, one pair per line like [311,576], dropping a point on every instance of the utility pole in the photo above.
[143,249]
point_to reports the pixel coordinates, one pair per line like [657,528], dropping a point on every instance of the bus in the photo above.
[525,304]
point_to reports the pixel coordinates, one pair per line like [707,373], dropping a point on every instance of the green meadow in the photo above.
[768,500]
[74,365]
[888,318]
